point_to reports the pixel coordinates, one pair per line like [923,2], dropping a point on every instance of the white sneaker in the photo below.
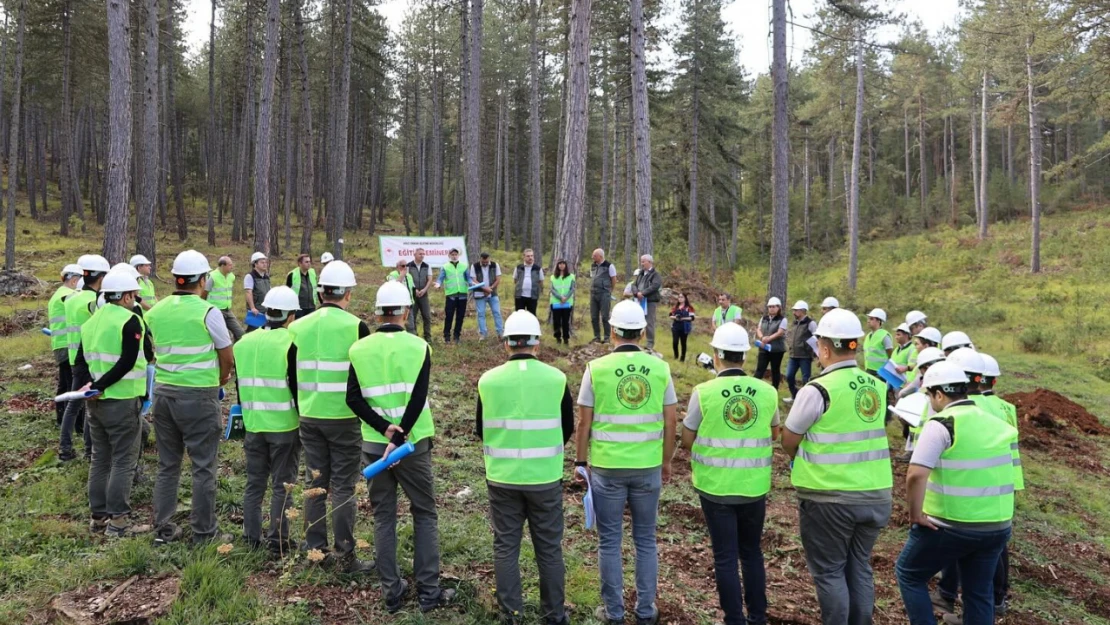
[787,400]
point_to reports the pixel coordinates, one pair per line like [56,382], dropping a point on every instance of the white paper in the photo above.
[812,342]
[910,409]
[75,395]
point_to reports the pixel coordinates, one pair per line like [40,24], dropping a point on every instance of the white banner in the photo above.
[436,249]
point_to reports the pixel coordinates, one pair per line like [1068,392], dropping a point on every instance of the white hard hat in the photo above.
[730,337]
[95,263]
[840,323]
[967,359]
[118,281]
[955,340]
[190,263]
[990,366]
[928,356]
[915,316]
[337,273]
[801,305]
[930,334]
[127,269]
[281,298]
[905,329]
[326,257]
[774,301]
[72,269]
[878,313]
[391,294]
[627,315]
[138,259]
[944,374]
[522,323]
[830,302]
[257,256]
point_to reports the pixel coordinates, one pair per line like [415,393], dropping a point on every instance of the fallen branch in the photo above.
[115,593]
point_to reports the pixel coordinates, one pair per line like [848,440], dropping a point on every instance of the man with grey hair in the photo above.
[646,289]
[528,283]
[603,279]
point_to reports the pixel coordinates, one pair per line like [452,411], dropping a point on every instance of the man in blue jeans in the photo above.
[960,492]
[802,348]
[488,272]
[626,429]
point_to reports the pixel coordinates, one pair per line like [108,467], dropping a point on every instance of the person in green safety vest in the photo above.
[960,494]
[302,279]
[626,436]
[916,322]
[401,274]
[453,278]
[148,298]
[329,430]
[387,388]
[221,294]
[562,301]
[731,424]
[836,439]
[194,354]
[726,311]
[112,359]
[266,376]
[525,417]
[56,316]
[878,345]
[79,307]
[927,358]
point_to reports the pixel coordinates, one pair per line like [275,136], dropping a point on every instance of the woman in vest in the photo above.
[770,337]
[682,325]
[562,301]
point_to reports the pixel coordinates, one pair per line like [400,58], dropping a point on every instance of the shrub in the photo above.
[1035,340]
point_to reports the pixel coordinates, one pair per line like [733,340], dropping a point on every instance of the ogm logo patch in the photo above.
[633,391]
[741,413]
[868,403]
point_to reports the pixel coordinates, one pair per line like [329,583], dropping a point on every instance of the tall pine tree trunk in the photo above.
[983,169]
[641,130]
[263,215]
[534,162]
[305,124]
[857,139]
[473,159]
[71,196]
[119,129]
[571,205]
[213,168]
[1034,158]
[13,146]
[176,133]
[780,148]
[151,169]
[692,221]
[337,176]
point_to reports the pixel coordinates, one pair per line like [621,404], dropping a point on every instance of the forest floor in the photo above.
[1049,332]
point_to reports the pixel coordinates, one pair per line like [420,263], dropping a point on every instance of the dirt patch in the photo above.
[29,401]
[22,320]
[15,283]
[1051,411]
[134,601]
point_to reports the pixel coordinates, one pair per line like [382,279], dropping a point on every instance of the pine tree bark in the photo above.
[13,145]
[473,160]
[983,169]
[805,184]
[857,137]
[642,130]
[924,180]
[119,129]
[71,196]
[263,215]
[1034,158]
[780,220]
[571,206]
[534,162]
[213,154]
[176,134]
[246,124]
[974,163]
[305,124]
[151,170]
[337,176]
[695,120]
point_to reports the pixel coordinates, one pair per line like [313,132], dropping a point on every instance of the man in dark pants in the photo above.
[79,308]
[802,349]
[525,418]
[56,313]
[603,279]
[454,278]
[303,282]
[527,283]
[421,274]
[647,287]
[387,387]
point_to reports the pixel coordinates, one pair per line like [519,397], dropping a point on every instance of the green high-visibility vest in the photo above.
[77,307]
[522,429]
[721,316]
[846,449]
[146,291]
[102,343]
[387,365]
[874,354]
[996,406]
[627,431]
[732,452]
[222,289]
[323,339]
[974,480]
[396,275]
[901,355]
[454,279]
[56,313]
[261,364]
[911,361]
[185,353]
[295,281]
[562,288]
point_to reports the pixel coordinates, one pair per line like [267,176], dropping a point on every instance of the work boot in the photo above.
[596,339]
[395,603]
[169,533]
[511,618]
[651,620]
[602,615]
[953,619]
[67,455]
[121,527]
[354,566]
[942,603]
[563,621]
[446,596]
[97,525]
[1000,609]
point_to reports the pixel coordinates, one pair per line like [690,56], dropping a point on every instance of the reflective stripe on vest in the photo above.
[627,431]
[387,365]
[323,339]
[1008,413]
[721,316]
[562,288]
[102,338]
[262,358]
[56,310]
[186,355]
[874,353]
[454,279]
[731,455]
[974,480]
[77,313]
[846,449]
[146,291]
[222,289]
[522,427]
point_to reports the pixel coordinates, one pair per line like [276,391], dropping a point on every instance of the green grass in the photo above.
[1048,330]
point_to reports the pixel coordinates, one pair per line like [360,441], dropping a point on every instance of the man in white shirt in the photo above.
[487,272]
[528,283]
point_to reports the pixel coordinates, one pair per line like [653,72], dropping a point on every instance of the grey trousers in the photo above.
[272,457]
[838,539]
[543,509]
[422,306]
[187,419]
[599,314]
[233,325]
[331,453]
[651,308]
[74,414]
[114,427]
[414,475]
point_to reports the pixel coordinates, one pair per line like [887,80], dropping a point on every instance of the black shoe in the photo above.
[942,603]
[564,621]
[395,603]
[602,615]
[511,618]
[67,455]
[354,566]
[595,340]
[167,534]
[652,620]
[446,596]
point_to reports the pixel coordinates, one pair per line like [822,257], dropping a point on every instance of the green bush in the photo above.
[1035,340]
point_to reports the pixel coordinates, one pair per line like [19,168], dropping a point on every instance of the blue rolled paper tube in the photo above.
[47,332]
[393,458]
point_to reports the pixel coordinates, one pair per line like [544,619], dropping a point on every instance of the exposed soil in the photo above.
[20,320]
[1051,411]
[15,283]
[140,600]
[29,401]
